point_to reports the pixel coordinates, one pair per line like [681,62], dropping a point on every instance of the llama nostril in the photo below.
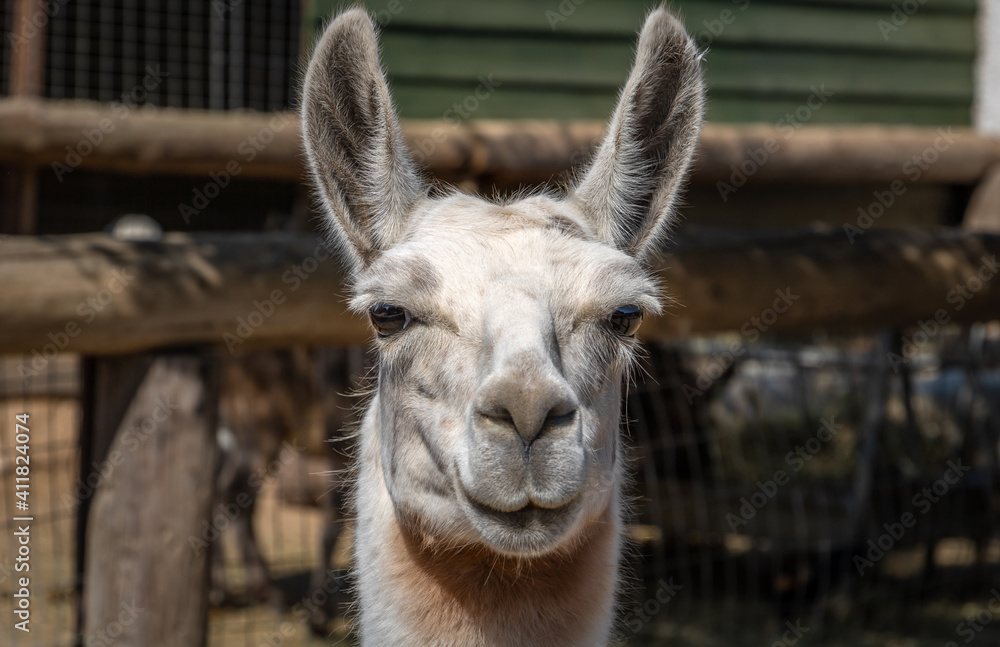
[528,419]
[557,419]
[497,414]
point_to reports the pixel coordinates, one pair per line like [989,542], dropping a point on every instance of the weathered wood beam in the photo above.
[885,278]
[97,295]
[117,137]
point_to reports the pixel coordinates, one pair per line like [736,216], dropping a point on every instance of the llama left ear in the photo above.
[354,143]
[630,190]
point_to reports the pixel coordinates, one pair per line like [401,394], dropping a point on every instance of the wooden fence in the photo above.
[152,318]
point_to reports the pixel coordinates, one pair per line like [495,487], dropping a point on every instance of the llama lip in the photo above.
[529,529]
[530,517]
[526,508]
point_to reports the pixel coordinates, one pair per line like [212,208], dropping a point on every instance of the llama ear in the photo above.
[631,187]
[354,143]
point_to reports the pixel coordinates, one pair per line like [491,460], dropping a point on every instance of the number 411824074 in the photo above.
[22,461]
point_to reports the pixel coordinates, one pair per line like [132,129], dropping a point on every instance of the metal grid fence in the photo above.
[218,55]
[848,486]
[7,47]
[51,401]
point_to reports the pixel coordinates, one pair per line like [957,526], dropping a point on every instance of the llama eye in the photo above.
[389,319]
[625,320]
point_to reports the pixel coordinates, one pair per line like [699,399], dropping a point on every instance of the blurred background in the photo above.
[815,433]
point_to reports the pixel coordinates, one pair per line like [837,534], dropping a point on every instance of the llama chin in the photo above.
[488,488]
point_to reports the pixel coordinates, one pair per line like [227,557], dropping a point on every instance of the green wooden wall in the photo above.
[765,59]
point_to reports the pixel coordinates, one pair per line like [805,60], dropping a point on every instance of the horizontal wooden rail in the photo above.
[115,137]
[94,294]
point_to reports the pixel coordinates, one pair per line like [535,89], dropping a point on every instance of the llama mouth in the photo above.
[527,509]
[529,529]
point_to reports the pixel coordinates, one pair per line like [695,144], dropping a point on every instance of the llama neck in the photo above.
[414,592]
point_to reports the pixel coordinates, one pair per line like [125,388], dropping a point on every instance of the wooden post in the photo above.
[983,212]
[27,43]
[153,447]
[108,387]
[27,73]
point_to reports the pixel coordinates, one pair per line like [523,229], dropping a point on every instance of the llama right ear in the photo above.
[631,187]
[354,143]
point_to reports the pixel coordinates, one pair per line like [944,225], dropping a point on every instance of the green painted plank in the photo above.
[539,60]
[604,65]
[758,67]
[840,73]
[620,17]
[930,6]
[428,101]
[772,111]
[825,27]
[420,100]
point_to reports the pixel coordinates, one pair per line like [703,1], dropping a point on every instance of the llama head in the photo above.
[504,329]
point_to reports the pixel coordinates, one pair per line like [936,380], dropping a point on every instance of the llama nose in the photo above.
[531,404]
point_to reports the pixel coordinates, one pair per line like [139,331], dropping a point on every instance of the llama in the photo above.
[489,481]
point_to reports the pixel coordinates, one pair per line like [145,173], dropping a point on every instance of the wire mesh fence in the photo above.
[219,55]
[834,490]
[6,48]
[49,499]
[846,487]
